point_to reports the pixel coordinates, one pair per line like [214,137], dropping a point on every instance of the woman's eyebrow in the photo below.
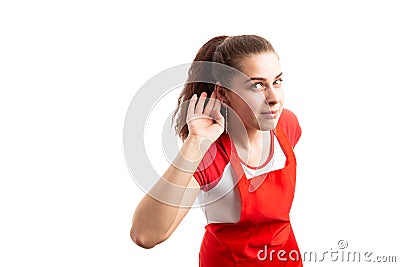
[261,78]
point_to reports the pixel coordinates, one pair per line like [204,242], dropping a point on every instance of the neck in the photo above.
[244,137]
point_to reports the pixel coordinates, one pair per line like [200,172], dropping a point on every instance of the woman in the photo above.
[239,161]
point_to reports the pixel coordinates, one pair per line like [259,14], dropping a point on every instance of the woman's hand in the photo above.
[205,122]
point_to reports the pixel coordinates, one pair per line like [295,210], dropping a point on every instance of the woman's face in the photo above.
[258,98]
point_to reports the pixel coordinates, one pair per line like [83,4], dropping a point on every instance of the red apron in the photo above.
[263,236]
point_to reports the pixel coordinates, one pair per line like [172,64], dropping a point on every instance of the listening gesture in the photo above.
[205,122]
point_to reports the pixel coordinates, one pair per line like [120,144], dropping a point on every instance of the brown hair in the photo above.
[227,50]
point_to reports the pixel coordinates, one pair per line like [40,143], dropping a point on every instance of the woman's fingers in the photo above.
[210,105]
[200,104]
[217,112]
[212,109]
[217,105]
[191,106]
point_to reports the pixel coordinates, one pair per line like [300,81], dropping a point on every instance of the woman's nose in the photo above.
[270,95]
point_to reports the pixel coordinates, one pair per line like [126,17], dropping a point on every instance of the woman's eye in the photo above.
[257,86]
[278,82]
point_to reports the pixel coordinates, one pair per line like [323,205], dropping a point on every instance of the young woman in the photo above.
[237,159]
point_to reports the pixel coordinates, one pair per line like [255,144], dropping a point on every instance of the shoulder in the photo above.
[290,124]
[288,119]
[213,164]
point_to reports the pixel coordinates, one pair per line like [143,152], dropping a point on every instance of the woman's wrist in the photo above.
[192,152]
[198,145]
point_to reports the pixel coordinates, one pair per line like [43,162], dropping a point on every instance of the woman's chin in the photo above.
[268,126]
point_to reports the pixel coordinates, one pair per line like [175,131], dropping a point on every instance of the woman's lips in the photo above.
[270,114]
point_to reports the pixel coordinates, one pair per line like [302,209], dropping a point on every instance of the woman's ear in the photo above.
[221,93]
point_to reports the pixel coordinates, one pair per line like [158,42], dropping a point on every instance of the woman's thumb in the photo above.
[218,117]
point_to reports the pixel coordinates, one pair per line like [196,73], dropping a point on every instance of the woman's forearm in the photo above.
[159,212]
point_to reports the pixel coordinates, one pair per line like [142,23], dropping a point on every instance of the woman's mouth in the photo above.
[272,114]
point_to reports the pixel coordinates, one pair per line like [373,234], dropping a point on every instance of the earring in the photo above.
[226,119]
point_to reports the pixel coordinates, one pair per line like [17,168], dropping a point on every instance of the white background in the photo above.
[69,69]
